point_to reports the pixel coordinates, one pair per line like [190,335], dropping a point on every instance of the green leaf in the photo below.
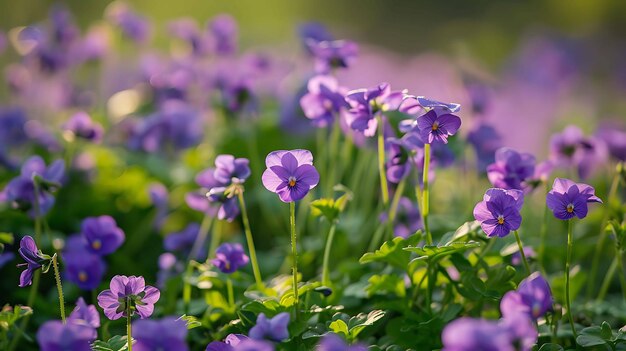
[339,327]
[436,253]
[9,315]
[591,336]
[362,321]
[329,207]
[116,343]
[393,252]
[606,333]
[386,284]
[462,231]
[551,347]
[192,321]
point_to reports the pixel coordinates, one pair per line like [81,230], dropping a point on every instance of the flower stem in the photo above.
[521,252]
[294,252]
[329,244]
[393,210]
[216,237]
[187,287]
[57,277]
[246,226]
[426,193]
[542,237]
[231,294]
[622,276]
[129,338]
[332,157]
[567,280]
[381,161]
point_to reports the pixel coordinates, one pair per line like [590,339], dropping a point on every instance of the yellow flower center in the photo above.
[570,208]
[435,126]
[97,244]
[82,276]
[292,181]
[500,219]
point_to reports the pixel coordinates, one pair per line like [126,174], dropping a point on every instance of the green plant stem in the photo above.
[329,244]
[604,288]
[381,161]
[431,281]
[542,236]
[521,251]
[250,241]
[622,275]
[231,294]
[426,194]
[567,279]
[128,327]
[216,237]
[187,287]
[294,253]
[57,277]
[595,264]
[332,157]
[393,210]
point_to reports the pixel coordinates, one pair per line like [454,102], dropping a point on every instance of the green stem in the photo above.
[604,288]
[426,193]
[329,244]
[294,253]
[603,234]
[622,276]
[332,157]
[393,210]
[216,237]
[381,161]
[187,287]
[231,294]
[567,280]
[431,282]
[128,328]
[521,251]
[57,277]
[246,226]
[542,237]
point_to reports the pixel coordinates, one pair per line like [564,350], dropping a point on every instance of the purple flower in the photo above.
[469,334]
[135,26]
[274,329]
[83,268]
[82,126]
[224,31]
[437,124]
[532,298]
[568,199]
[529,252]
[20,191]
[572,148]
[168,333]
[511,169]
[499,212]
[229,169]
[541,175]
[128,290]
[401,157]
[614,135]
[254,345]
[438,105]
[290,174]
[367,104]
[56,335]
[333,342]
[184,241]
[312,32]
[228,208]
[102,234]
[85,313]
[323,101]
[230,257]
[330,55]
[33,257]
[229,344]
[521,330]
[408,218]
[485,140]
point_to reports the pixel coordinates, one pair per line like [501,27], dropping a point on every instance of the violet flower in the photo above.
[323,101]
[86,313]
[485,140]
[290,174]
[230,257]
[614,135]
[311,32]
[229,344]
[333,342]
[274,329]
[81,125]
[83,268]
[568,199]
[254,345]
[34,258]
[168,333]
[367,104]
[224,31]
[229,169]
[499,212]
[436,127]
[128,290]
[532,298]
[56,335]
[509,334]
[516,258]
[572,148]
[511,169]
[331,55]
[132,24]
[442,107]
[102,234]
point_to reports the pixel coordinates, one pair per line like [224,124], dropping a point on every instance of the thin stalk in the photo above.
[205,227]
[542,236]
[294,252]
[431,282]
[320,141]
[128,328]
[393,210]
[246,226]
[216,237]
[381,161]
[604,288]
[603,234]
[567,280]
[187,287]
[231,294]
[329,244]
[332,157]
[57,277]
[426,194]
[622,276]
[521,251]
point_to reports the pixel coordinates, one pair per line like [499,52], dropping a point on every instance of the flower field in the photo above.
[166,187]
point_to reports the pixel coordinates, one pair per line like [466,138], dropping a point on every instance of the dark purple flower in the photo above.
[333,342]
[435,127]
[56,335]
[230,257]
[238,95]
[224,31]
[529,252]
[229,169]
[401,157]
[184,241]
[229,344]
[313,32]
[323,101]
[85,313]
[485,140]
[572,148]
[187,30]
[540,176]
[438,105]
[522,331]
[532,298]
[469,334]
[330,55]
[128,290]
[568,199]
[197,200]
[168,333]
[83,268]
[102,234]
[134,26]
[254,345]
[228,207]
[499,212]
[614,135]
[511,169]
[33,257]
[367,104]
[274,329]
[290,174]
[82,126]
[20,191]
[6,257]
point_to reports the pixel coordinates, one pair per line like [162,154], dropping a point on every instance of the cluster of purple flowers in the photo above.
[77,333]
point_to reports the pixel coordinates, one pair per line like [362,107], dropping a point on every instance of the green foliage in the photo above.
[116,343]
[437,253]
[393,252]
[331,208]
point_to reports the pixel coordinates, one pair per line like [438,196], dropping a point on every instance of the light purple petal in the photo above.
[271,181]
